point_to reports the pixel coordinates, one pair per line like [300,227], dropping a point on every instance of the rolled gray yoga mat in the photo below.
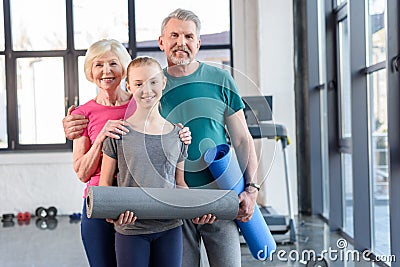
[161,203]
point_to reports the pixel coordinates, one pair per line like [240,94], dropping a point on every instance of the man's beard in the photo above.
[178,60]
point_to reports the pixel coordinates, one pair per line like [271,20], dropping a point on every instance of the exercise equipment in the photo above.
[49,223]
[52,212]
[8,220]
[280,224]
[75,217]
[228,175]
[45,213]
[24,218]
[7,217]
[160,203]
[258,111]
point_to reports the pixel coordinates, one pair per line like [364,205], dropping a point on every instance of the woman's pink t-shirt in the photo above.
[98,115]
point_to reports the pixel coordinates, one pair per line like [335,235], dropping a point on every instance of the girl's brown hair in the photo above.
[142,61]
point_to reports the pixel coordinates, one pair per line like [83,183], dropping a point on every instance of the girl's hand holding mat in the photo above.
[124,218]
[206,219]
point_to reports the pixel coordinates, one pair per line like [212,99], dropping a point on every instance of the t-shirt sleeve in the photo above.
[110,147]
[183,154]
[231,93]
[80,111]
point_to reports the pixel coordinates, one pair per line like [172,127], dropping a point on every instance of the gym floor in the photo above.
[29,245]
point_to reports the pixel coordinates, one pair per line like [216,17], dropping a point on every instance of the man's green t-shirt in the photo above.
[201,101]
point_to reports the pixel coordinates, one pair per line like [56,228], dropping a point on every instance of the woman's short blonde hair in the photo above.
[99,48]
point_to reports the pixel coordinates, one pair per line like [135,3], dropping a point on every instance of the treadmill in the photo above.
[258,113]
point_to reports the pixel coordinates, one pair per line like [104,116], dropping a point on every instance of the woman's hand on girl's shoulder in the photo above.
[113,129]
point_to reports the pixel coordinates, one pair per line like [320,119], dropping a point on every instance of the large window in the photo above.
[1,27]
[345,124]
[3,92]
[3,107]
[323,97]
[361,51]
[344,81]
[30,27]
[42,51]
[215,28]
[95,20]
[377,87]
[40,100]
[379,162]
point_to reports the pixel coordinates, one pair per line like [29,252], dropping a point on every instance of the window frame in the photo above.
[71,83]
[359,146]
[393,83]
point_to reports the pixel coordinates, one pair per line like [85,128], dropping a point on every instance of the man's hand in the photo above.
[247,202]
[184,134]
[74,124]
[208,218]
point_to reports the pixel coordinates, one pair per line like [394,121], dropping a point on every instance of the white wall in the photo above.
[263,59]
[277,79]
[30,180]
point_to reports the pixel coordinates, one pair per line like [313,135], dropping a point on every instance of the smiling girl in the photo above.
[149,155]
[105,66]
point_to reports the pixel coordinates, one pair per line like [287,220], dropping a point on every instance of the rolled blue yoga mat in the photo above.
[228,175]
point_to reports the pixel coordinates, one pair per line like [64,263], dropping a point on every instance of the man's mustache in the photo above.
[181,48]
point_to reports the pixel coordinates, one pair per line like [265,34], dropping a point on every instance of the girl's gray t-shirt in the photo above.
[146,161]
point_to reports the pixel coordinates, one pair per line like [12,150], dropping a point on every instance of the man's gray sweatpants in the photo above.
[221,241]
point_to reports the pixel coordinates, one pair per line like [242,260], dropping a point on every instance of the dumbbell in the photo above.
[23,218]
[7,217]
[49,223]
[75,217]
[8,220]
[45,213]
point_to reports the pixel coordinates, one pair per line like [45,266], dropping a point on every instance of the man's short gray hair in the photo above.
[184,15]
